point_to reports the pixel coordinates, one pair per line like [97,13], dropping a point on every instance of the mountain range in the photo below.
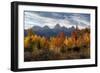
[48,32]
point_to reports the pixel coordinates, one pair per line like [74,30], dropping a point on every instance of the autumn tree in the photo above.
[30,32]
[70,43]
[60,39]
[66,41]
[28,39]
[86,39]
[74,37]
[26,42]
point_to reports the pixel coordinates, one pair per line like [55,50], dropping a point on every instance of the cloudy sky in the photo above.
[36,18]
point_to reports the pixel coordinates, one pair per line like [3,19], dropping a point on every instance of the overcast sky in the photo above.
[34,18]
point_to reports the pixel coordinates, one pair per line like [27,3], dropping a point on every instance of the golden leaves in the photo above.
[77,39]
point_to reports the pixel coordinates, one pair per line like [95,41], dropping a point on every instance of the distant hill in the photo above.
[48,32]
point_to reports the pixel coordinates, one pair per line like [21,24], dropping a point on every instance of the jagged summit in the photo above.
[57,26]
[46,27]
[48,32]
